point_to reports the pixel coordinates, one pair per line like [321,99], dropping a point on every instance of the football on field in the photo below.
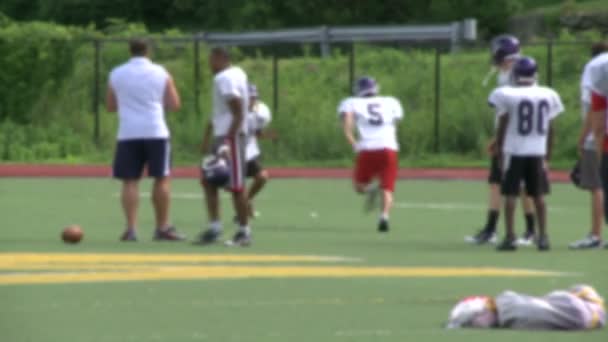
[72,234]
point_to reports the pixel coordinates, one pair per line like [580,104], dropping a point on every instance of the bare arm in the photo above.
[585,130]
[549,142]
[236,108]
[172,100]
[501,133]
[111,103]
[347,127]
[598,126]
[206,138]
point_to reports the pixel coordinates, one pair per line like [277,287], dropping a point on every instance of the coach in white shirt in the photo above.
[141,91]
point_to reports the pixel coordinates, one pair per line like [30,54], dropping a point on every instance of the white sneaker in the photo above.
[526,240]
[590,241]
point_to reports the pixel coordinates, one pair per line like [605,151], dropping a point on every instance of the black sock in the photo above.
[492,220]
[529,223]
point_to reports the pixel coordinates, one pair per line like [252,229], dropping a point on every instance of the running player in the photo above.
[524,139]
[376,119]
[577,308]
[505,49]
[258,119]
[590,178]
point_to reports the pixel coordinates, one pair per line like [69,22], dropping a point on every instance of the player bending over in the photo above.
[578,308]
[505,49]
[377,149]
[258,119]
[524,138]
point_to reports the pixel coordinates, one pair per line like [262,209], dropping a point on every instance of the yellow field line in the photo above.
[233,272]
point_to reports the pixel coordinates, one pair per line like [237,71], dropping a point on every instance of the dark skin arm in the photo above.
[111,103]
[549,143]
[501,133]
[206,138]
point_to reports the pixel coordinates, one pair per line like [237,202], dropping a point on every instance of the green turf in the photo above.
[428,229]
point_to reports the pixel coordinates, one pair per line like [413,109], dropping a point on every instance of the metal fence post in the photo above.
[550,62]
[197,76]
[351,68]
[437,96]
[96,80]
[275,81]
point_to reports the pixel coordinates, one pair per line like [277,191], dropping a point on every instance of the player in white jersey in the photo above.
[376,118]
[141,91]
[226,135]
[505,49]
[524,139]
[589,167]
[258,119]
[577,308]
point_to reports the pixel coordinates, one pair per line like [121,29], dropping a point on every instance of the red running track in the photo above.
[56,171]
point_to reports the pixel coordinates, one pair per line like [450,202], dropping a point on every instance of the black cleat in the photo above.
[484,236]
[209,236]
[509,244]
[383,226]
[543,243]
[168,234]
[240,239]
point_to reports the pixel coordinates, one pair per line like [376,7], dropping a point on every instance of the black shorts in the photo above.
[495,176]
[254,167]
[132,155]
[529,170]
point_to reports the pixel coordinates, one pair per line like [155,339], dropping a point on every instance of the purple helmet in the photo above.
[366,86]
[504,47]
[524,69]
[253,90]
[215,171]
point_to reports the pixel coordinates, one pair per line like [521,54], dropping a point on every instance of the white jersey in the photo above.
[228,84]
[257,119]
[599,78]
[376,118]
[586,88]
[530,110]
[139,86]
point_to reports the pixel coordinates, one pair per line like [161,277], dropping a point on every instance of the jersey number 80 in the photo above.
[527,112]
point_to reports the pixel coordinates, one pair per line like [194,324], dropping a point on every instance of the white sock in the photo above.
[245,229]
[215,226]
[383,217]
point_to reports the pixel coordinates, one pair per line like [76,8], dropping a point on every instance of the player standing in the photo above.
[258,118]
[505,49]
[589,165]
[376,119]
[599,109]
[524,139]
[227,128]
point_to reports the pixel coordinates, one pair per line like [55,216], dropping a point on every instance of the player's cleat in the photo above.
[590,241]
[507,245]
[371,198]
[209,236]
[240,239]
[129,235]
[168,234]
[482,237]
[543,243]
[383,226]
[527,239]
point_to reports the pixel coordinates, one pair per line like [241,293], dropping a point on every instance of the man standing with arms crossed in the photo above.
[141,91]
[226,134]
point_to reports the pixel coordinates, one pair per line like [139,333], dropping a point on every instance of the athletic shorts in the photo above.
[254,167]
[529,170]
[236,161]
[131,156]
[495,176]
[590,171]
[382,164]
[604,178]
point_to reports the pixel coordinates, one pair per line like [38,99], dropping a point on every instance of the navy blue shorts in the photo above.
[133,155]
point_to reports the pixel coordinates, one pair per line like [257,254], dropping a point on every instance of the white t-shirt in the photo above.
[376,119]
[586,89]
[530,110]
[139,86]
[257,120]
[228,84]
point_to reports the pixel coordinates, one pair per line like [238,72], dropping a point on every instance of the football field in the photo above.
[317,270]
